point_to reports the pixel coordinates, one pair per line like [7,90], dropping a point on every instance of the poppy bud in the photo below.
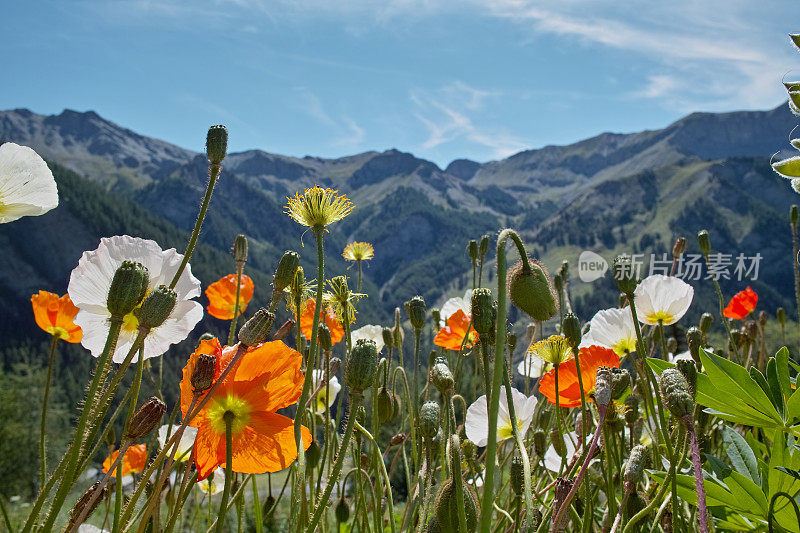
[624,274]
[429,414]
[511,341]
[128,288]
[706,320]
[217,144]
[287,270]
[469,449]
[602,388]
[269,503]
[156,307]
[562,490]
[385,405]
[203,374]
[442,378]
[780,315]
[436,442]
[145,418]
[675,393]
[689,371]
[483,246]
[324,337]
[793,215]
[529,289]
[397,439]
[342,511]
[557,440]
[436,315]
[679,248]
[206,336]
[482,317]
[313,454]
[284,330]
[397,330]
[539,442]
[82,506]
[558,282]
[361,365]
[571,329]
[705,242]
[620,381]
[737,337]
[631,409]
[517,474]
[387,336]
[110,436]
[240,248]
[637,462]
[255,330]
[472,249]
[415,308]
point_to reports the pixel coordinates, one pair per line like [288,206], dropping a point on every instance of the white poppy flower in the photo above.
[552,461]
[533,366]
[214,483]
[27,187]
[612,328]
[323,403]
[476,425]
[370,332]
[661,298]
[91,279]
[454,304]
[184,445]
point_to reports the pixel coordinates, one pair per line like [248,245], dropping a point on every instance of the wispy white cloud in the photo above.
[347,132]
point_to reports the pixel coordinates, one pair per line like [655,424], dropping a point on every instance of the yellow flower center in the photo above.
[61,333]
[507,431]
[624,347]
[233,404]
[130,322]
[654,318]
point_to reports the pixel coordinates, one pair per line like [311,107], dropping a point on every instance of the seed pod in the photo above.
[342,511]
[631,409]
[472,249]
[602,388]
[415,308]
[286,271]
[530,290]
[679,248]
[571,329]
[706,320]
[397,439]
[704,241]
[145,418]
[562,489]
[429,419]
[517,471]
[255,330]
[624,274]
[539,442]
[156,307]
[442,378]
[82,507]
[313,454]
[362,365]
[675,393]
[128,288]
[217,144]
[240,248]
[762,319]
[637,462]
[689,371]
[482,311]
[203,373]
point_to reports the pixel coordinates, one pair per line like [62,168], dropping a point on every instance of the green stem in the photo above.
[519,438]
[137,383]
[358,284]
[226,492]
[384,474]
[721,303]
[232,330]
[257,507]
[43,425]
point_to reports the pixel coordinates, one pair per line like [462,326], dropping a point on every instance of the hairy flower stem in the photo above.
[722,316]
[601,410]
[213,174]
[322,504]
[235,319]
[358,283]
[518,437]
[75,448]
[384,474]
[137,383]
[103,482]
[487,499]
[702,514]
[43,425]
[226,492]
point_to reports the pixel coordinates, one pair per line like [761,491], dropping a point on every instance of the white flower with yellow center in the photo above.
[612,328]
[325,399]
[27,187]
[214,483]
[662,299]
[184,445]
[369,332]
[91,279]
[476,424]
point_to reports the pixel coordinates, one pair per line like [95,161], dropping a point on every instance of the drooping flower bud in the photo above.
[637,462]
[342,511]
[636,503]
[385,405]
[156,307]
[415,308]
[602,387]
[571,329]
[631,409]
[624,274]
[145,418]
[286,272]
[203,374]
[706,320]
[530,290]
[442,378]
[446,505]
[284,330]
[689,371]
[557,440]
[313,454]
[82,506]
[128,288]
[704,241]
[679,248]
[482,311]
[539,442]
[675,393]
[388,339]
[472,249]
[362,365]
[255,330]
[429,415]
[240,248]
[517,471]
[324,337]
[217,143]
[483,246]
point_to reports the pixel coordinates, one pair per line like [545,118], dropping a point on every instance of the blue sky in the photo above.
[443,79]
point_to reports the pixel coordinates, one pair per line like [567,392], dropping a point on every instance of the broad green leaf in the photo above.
[759,378]
[783,454]
[742,457]
[782,361]
[788,168]
[793,407]
[776,394]
[794,473]
[747,493]
[719,467]
[716,494]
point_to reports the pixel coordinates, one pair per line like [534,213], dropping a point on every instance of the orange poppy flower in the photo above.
[134,460]
[54,315]
[327,314]
[742,304]
[452,335]
[592,358]
[265,379]
[222,296]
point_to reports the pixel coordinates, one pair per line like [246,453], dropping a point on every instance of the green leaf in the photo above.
[782,361]
[762,381]
[716,494]
[719,467]
[742,457]
[794,473]
[788,168]
[747,493]
[775,388]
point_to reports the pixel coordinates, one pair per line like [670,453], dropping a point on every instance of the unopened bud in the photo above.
[620,381]
[255,330]
[679,248]
[694,338]
[571,329]
[397,439]
[145,418]
[385,405]
[564,270]
[361,365]
[624,274]
[286,272]
[472,249]
[128,288]
[324,337]
[284,330]
[313,454]
[558,283]
[269,503]
[636,503]
[240,248]
[706,320]
[482,311]
[388,339]
[415,308]
[780,315]
[562,490]
[602,388]
[203,374]
[675,393]
[637,462]
[217,144]
[631,409]
[156,307]
[530,290]
[517,471]
[82,506]
[429,415]
[539,442]
[704,241]
[342,511]
[511,340]
[557,440]
[442,378]
[762,319]
[483,246]
[689,371]
[436,315]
